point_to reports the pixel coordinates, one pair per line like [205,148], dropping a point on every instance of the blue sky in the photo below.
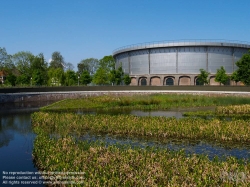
[81,29]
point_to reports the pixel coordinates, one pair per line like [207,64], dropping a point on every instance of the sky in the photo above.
[81,29]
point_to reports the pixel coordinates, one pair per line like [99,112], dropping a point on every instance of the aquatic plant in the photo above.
[157,127]
[233,109]
[123,166]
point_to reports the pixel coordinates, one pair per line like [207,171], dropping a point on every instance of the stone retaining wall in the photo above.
[56,96]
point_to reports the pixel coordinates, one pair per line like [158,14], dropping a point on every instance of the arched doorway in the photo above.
[143,82]
[169,81]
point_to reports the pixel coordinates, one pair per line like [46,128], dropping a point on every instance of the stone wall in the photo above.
[56,96]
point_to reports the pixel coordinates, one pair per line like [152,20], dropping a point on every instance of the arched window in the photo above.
[143,82]
[228,82]
[169,81]
[198,82]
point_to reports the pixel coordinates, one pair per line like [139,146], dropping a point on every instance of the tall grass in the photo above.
[123,166]
[154,101]
[235,111]
[156,127]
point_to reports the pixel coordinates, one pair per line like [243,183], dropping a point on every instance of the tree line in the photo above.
[242,74]
[25,69]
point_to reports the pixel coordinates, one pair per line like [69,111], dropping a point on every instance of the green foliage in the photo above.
[70,78]
[11,79]
[98,164]
[39,70]
[119,75]
[235,77]
[243,71]
[221,76]
[23,61]
[90,65]
[85,78]
[127,79]
[57,60]
[23,79]
[101,76]
[59,144]
[105,73]
[157,101]
[56,77]
[37,78]
[203,77]
[116,76]
[129,125]
[107,63]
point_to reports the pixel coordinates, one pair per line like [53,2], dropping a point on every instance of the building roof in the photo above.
[3,73]
[182,43]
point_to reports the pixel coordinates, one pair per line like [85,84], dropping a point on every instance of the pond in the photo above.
[190,147]
[177,112]
[16,138]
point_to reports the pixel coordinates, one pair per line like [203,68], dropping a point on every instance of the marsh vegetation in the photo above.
[59,147]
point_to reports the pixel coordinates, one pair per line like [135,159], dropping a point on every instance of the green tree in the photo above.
[22,61]
[202,78]
[107,63]
[11,79]
[39,70]
[70,78]
[116,76]
[235,77]
[56,77]
[127,79]
[85,78]
[89,64]
[221,76]
[23,80]
[100,77]
[243,71]
[57,60]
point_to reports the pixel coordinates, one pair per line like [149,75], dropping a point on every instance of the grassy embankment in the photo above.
[155,101]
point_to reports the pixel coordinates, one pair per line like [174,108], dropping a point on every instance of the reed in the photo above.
[155,127]
[123,166]
[233,109]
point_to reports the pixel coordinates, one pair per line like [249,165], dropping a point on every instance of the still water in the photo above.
[16,141]
[16,138]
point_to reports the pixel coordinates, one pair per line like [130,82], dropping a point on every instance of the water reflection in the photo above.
[166,113]
[175,112]
[17,137]
[190,147]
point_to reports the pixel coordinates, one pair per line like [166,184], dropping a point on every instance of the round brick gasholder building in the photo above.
[178,62]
